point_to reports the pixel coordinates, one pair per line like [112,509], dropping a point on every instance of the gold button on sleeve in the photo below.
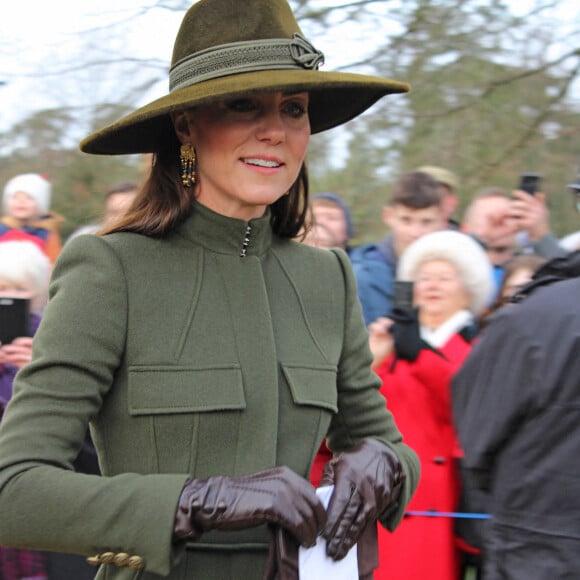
[94,560]
[136,563]
[121,559]
[107,557]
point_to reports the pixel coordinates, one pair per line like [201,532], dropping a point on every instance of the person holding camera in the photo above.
[416,353]
[195,340]
[24,274]
[510,225]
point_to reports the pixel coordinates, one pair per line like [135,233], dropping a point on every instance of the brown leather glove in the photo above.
[367,483]
[275,496]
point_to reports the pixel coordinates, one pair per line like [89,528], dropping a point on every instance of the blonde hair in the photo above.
[22,261]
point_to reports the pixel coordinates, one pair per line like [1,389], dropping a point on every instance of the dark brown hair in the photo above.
[163,203]
[520,262]
[416,190]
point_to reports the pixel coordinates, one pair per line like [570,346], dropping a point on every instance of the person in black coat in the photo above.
[516,404]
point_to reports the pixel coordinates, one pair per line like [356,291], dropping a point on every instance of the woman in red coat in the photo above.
[453,283]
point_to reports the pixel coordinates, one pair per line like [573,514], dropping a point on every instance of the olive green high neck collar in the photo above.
[226,235]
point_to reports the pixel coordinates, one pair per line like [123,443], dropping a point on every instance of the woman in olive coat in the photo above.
[209,352]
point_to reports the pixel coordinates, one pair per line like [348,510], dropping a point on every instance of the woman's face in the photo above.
[249,150]
[515,281]
[439,290]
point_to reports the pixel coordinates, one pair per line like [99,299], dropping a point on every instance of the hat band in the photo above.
[243,57]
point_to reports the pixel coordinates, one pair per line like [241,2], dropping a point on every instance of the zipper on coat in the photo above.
[246,242]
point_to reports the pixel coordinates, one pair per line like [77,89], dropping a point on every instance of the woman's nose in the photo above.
[430,283]
[271,127]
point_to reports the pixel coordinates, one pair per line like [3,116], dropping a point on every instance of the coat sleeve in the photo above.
[362,411]
[493,392]
[44,504]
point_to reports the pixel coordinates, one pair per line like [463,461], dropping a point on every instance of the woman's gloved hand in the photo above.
[275,496]
[406,333]
[367,483]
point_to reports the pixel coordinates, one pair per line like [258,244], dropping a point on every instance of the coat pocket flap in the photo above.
[312,385]
[157,390]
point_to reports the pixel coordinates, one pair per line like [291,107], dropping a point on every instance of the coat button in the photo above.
[121,559]
[136,563]
[94,560]
[107,557]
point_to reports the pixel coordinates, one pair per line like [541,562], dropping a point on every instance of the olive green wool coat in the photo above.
[187,359]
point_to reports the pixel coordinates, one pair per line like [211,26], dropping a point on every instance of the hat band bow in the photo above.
[243,57]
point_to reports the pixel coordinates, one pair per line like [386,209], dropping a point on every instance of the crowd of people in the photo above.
[218,349]
[464,269]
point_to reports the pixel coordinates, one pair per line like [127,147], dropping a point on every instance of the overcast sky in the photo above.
[37,35]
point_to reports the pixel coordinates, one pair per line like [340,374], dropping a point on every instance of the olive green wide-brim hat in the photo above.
[230,48]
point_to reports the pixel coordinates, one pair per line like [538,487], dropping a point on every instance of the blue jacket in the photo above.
[375,269]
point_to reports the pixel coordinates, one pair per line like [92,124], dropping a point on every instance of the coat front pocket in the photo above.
[169,389]
[306,413]
[191,416]
[312,385]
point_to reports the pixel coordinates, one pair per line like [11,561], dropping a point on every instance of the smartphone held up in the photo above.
[530,183]
[403,295]
[14,318]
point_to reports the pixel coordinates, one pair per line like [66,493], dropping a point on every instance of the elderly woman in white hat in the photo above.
[210,353]
[416,358]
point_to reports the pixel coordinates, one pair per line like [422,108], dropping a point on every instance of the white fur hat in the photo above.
[460,250]
[34,185]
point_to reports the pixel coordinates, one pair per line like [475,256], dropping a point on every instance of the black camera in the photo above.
[403,295]
[14,318]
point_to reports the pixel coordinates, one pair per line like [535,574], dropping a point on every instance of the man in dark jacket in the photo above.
[516,403]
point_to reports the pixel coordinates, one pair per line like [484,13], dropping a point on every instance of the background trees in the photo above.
[492,96]
[495,92]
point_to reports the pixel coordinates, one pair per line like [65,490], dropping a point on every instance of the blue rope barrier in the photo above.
[458,515]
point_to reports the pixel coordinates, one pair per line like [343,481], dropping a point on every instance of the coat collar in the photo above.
[226,235]
[439,336]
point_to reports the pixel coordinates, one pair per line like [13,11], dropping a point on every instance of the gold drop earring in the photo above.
[188,164]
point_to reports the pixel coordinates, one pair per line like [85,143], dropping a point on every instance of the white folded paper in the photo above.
[314,564]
